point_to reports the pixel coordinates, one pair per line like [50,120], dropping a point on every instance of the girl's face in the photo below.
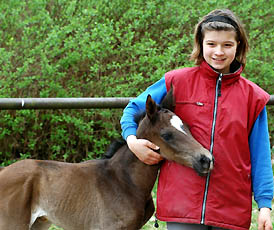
[219,49]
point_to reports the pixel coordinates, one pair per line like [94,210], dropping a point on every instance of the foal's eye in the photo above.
[167,136]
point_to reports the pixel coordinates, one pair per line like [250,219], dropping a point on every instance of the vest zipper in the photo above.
[217,95]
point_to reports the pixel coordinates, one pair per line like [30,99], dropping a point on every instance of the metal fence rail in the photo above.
[271,100]
[62,103]
[70,103]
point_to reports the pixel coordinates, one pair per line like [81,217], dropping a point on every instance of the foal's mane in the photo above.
[113,148]
[118,143]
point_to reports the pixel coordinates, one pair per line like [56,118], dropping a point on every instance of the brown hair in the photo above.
[219,20]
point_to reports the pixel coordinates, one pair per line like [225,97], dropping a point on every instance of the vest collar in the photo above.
[208,72]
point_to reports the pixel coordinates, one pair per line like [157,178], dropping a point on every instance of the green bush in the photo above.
[87,48]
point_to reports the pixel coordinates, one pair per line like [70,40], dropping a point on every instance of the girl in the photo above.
[226,114]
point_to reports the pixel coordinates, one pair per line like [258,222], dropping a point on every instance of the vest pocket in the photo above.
[198,103]
[198,116]
[193,112]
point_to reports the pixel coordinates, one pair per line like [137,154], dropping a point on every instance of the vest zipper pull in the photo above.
[156,225]
[220,84]
[199,103]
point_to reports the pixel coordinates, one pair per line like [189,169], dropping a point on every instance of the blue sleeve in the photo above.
[157,91]
[261,169]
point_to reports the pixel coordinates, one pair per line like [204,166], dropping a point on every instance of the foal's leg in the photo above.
[41,223]
[149,210]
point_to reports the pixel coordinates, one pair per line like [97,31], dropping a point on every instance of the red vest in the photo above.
[225,198]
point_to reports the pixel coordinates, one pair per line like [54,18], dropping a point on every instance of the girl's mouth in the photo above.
[219,59]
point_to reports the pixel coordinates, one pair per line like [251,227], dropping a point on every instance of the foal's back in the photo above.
[73,196]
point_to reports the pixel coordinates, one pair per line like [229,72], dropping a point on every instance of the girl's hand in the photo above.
[143,149]
[264,219]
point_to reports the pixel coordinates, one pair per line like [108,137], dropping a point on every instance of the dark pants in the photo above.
[181,226]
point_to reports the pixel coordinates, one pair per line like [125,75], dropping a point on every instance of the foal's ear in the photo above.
[169,101]
[151,108]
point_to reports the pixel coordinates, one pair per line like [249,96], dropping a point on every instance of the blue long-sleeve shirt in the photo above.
[261,169]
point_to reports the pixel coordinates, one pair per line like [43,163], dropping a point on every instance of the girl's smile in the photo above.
[219,49]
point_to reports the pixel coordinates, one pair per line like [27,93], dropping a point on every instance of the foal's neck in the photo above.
[128,165]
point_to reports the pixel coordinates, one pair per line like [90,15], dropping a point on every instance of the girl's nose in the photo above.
[219,50]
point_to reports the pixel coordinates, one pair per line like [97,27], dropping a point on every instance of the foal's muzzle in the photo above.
[203,165]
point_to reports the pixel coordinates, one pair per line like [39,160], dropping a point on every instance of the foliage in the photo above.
[88,48]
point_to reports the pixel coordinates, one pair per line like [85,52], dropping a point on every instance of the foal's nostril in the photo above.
[205,162]
[203,165]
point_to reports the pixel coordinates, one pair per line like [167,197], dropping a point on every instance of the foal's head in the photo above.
[165,129]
